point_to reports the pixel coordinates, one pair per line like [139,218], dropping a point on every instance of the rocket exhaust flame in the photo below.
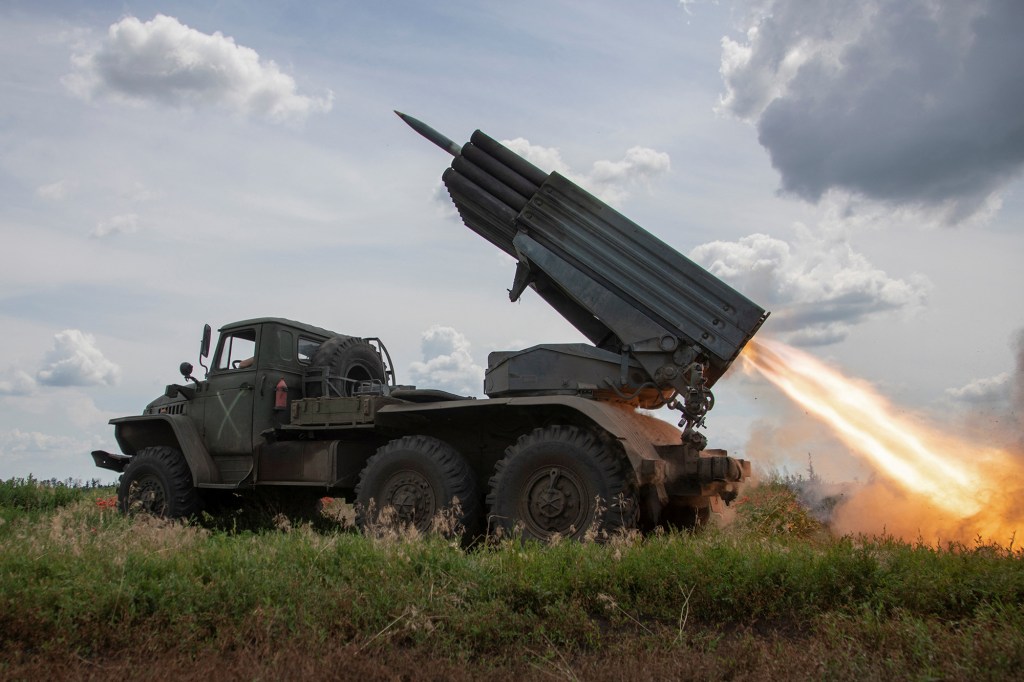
[956,490]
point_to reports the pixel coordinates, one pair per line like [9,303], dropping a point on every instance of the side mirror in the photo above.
[204,347]
[204,351]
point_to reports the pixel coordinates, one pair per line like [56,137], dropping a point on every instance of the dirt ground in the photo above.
[743,655]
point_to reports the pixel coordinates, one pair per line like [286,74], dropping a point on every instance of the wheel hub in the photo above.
[412,498]
[554,501]
[147,495]
[551,503]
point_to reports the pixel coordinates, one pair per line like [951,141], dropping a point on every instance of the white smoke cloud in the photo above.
[75,360]
[165,61]
[611,181]
[119,224]
[447,363]
[817,288]
[909,102]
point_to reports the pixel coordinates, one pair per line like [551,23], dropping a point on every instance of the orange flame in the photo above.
[946,487]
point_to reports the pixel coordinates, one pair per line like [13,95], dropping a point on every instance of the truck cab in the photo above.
[259,367]
[240,398]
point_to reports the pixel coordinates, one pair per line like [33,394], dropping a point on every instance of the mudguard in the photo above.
[177,431]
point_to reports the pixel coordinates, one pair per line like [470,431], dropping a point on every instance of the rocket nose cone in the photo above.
[431,134]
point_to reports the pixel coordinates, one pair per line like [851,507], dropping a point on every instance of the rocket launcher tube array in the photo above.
[626,290]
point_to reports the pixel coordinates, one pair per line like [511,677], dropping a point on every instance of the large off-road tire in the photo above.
[421,482]
[352,359]
[157,481]
[560,480]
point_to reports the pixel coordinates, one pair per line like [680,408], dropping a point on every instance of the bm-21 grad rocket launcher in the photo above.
[663,329]
[295,411]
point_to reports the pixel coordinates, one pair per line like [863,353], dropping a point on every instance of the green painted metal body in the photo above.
[663,331]
[234,435]
[221,422]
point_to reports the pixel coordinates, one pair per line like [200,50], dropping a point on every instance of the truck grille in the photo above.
[174,408]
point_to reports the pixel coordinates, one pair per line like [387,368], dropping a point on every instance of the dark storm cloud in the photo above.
[911,102]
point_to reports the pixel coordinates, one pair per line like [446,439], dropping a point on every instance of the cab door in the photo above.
[284,354]
[228,413]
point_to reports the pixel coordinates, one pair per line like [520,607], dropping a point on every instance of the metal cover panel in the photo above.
[639,268]
[337,411]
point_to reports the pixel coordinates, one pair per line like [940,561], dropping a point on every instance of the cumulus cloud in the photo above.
[817,288]
[48,456]
[611,181]
[167,62]
[18,441]
[14,381]
[447,363]
[119,224]
[75,360]
[983,391]
[908,102]
[55,191]
[1004,391]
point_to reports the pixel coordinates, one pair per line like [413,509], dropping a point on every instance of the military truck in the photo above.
[563,444]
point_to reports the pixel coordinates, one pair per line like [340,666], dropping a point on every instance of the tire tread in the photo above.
[617,479]
[183,498]
[455,471]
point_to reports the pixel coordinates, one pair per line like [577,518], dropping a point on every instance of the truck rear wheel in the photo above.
[352,360]
[560,480]
[157,481]
[421,480]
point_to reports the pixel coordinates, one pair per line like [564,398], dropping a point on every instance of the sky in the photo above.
[854,167]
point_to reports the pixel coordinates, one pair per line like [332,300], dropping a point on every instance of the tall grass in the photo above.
[32,494]
[83,578]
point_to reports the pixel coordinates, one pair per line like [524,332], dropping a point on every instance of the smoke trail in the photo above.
[928,482]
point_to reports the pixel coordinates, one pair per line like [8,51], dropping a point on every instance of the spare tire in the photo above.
[351,360]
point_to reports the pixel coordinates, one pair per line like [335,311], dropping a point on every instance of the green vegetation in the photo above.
[772,592]
[21,495]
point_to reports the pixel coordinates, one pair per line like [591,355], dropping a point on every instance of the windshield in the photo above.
[237,349]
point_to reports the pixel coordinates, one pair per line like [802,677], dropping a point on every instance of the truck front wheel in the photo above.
[421,482]
[157,481]
[560,480]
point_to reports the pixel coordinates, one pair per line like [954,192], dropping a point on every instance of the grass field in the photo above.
[87,593]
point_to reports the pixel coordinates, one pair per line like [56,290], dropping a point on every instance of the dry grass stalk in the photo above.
[684,614]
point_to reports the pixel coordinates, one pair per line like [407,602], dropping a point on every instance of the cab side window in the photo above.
[237,350]
[307,349]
